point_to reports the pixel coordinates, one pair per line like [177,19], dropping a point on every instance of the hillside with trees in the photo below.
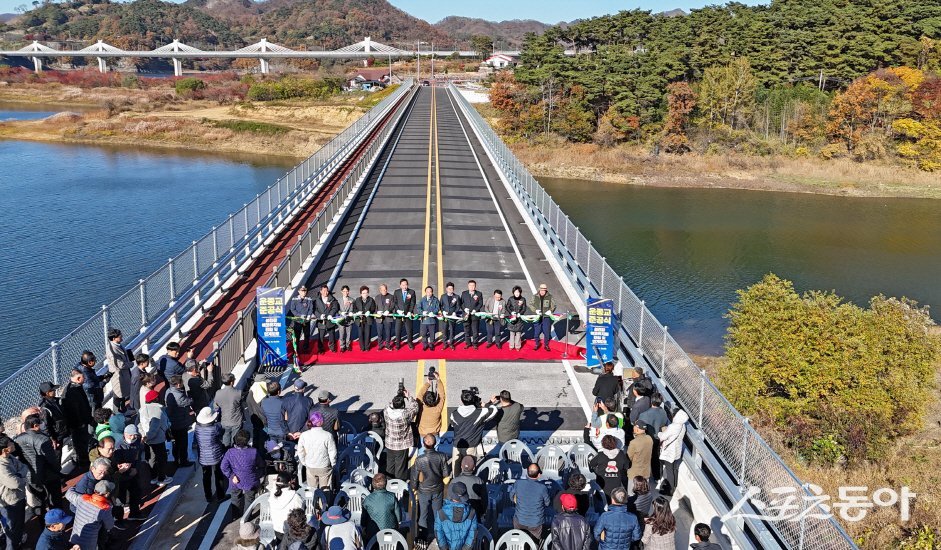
[856,79]
[505,35]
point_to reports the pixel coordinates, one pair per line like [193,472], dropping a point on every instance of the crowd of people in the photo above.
[272,439]
[388,315]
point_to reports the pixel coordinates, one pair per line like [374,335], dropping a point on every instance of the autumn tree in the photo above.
[482,44]
[680,103]
[727,94]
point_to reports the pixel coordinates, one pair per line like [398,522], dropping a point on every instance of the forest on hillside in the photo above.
[854,78]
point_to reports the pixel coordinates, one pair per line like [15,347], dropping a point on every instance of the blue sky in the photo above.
[548,11]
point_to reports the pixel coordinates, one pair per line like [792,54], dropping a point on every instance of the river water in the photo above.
[686,251]
[82,224]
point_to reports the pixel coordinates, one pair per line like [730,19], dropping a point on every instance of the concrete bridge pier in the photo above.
[37,64]
[265,68]
[177,67]
[102,65]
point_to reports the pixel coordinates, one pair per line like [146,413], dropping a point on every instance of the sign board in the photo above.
[601,335]
[271,327]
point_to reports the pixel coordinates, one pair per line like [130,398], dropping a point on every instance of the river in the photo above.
[82,224]
[686,251]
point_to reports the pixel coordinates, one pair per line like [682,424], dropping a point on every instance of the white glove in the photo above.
[401,312]
[538,312]
[466,310]
[323,317]
[385,312]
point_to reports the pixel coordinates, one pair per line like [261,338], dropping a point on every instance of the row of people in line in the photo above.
[396,311]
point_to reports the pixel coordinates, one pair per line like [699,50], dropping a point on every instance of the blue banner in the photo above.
[600,332]
[271,327]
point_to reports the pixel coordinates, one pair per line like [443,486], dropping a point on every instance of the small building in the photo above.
[500,61]
[368,79]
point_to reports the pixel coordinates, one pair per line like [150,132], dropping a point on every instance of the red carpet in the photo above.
[483,353]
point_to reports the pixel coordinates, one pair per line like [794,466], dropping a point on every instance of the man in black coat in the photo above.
[53,415]
[607,385]
[450,305]
[472,301]
[325,307]
[78,417]
[385,304]
[404,302]
[367,306]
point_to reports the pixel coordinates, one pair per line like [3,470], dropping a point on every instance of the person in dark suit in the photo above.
[301,308]
[326,306]
[472,301]
[450,305]
[367,306]
[404,300]
[385,304]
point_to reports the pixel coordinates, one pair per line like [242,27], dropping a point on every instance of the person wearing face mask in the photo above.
[366,306]
[515,307]
[346,324]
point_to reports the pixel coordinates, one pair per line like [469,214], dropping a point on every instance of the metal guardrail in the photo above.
[746,456]
[151,313]
[232,346]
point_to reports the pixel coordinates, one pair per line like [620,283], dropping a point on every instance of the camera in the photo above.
[432,374]
[401,386]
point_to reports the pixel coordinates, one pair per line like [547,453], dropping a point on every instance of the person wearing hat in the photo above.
[477,495]
[301,309]
[317,452]
[339,532]
[154,425]
[456,521]
[54,537]
[249,536]
[570,531]
[93,517]
[209,450]
[296,407]
[119,364]
[544,304]
[331,416]
[639,453]
[52,413]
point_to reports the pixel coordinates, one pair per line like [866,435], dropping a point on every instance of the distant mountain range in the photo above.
[234,23]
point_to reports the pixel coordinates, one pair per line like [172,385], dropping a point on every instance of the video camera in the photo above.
[401,387]
[474,392]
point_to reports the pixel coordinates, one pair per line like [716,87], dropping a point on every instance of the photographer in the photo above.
[399,416]
[432,397]
[511,413]
[468,421]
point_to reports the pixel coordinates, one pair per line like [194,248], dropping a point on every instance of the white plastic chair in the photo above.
[514,450]
[265,525]
[353,457]
[490,471]
[514,539]
[351,497]
[373,439]
[552,461]
[387,539]
[347,435]
[580,455]
[361,476]
[397,487]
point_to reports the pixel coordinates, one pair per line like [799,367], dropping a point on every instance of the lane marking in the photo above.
[582,400]
[419,373]
[506,226]
[443,382]
[439,213]
[431,129]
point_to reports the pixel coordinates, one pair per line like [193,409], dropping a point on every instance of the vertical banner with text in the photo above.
[600,331]
[272,327]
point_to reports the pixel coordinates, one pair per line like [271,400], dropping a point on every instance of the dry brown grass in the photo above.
[913,461]
[635,165]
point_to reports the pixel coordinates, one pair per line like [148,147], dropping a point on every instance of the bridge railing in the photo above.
[748,459]
[152,312]
[231,348]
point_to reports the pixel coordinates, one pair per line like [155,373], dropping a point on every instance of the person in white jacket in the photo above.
[671,449]
[282,501]
[317,452]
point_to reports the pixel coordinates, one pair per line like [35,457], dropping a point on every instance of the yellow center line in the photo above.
[443,374]
[439,213]
[431,131]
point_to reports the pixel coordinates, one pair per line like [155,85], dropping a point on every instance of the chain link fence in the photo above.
[150,312]
[747,457]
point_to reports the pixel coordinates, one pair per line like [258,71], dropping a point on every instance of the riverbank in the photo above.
[628,164]
[913,461]
[157,117]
